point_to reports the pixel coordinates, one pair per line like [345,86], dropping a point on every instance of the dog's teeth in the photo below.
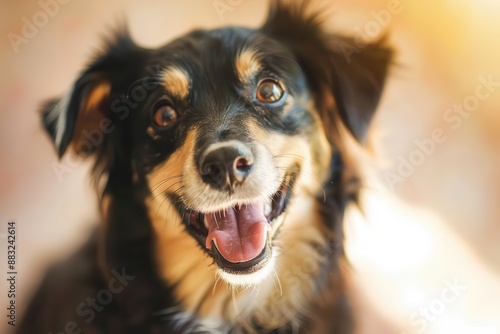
[267,208]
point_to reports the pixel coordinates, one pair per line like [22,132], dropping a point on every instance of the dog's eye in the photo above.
[165,115]
[269,91]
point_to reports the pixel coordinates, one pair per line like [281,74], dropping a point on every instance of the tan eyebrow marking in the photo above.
[176,81]
[98,93]
[247,64]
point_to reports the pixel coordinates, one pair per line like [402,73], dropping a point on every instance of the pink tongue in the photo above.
[240,234]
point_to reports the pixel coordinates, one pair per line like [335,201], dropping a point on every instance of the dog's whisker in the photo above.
[172,204]
[278,287]
[216,223]
[164,191]
[158,184]
[233,295]
[163,201]
[254,288]
[215,284]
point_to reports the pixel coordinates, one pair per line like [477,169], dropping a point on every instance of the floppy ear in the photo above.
[335,66]
[83,117]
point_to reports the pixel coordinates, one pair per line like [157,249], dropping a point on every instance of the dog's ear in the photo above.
[345,76]
[83,117]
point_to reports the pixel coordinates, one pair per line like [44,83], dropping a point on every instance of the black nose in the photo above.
[224,165]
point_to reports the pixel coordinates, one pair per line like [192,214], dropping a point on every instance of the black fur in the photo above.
[126,155]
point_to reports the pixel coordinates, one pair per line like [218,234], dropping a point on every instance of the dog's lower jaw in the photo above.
[248,280]
[274,295]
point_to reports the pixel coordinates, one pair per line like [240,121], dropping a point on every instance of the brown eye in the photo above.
[269,91]
[165,115]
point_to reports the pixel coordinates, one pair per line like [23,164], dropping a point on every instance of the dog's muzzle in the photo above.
[238,232]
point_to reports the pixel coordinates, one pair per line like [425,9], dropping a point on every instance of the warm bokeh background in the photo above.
[402,266]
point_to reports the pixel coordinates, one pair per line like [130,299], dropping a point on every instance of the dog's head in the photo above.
[229,132]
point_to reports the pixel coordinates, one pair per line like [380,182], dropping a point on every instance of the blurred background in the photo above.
[436,135]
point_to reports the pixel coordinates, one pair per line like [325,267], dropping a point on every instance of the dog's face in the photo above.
[227,138]
[229,133]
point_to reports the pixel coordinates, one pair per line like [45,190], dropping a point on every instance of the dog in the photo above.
[223,168]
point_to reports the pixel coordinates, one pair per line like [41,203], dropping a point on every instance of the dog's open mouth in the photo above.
[238,237]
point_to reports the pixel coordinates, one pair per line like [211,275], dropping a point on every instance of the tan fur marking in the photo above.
[247,64]
[89,118]
[177,82]
[97,94]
